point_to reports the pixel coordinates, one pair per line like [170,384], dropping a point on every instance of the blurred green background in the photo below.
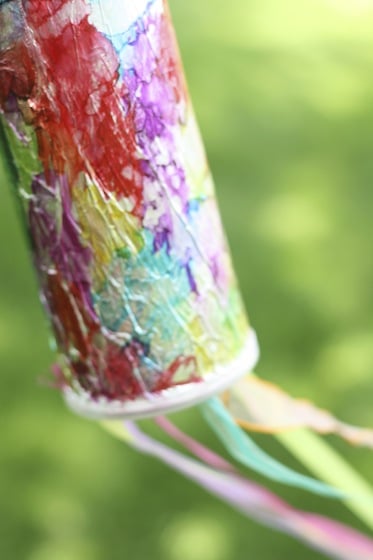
[284,95]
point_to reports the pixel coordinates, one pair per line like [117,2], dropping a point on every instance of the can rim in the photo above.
[169,400]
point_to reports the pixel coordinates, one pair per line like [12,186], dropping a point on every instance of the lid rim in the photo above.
[169,400]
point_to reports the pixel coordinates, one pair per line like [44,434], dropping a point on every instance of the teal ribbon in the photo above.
[242,448]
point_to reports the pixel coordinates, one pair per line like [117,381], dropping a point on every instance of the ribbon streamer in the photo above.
[244,450]
[261,406]
[221,479]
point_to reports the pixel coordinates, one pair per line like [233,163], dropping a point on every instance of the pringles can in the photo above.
[133,265]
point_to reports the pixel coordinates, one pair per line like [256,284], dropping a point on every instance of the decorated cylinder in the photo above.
[133,266]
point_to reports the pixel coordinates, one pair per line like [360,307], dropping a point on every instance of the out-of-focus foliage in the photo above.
[284,95]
